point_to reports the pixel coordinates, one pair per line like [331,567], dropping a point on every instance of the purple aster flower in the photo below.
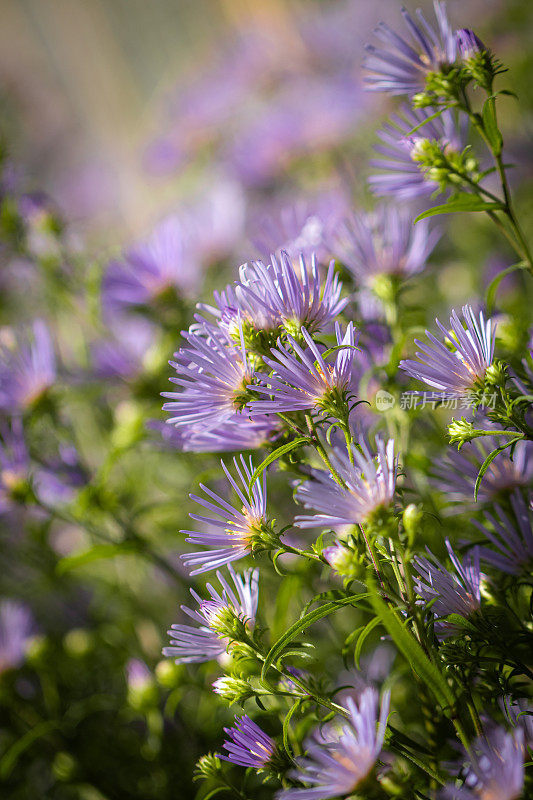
[512,536]
[495,771]
[401,176]
[124,353]
[369,486]
[337,762]
[189,644]
[237,529]
[150,269]
[383,243]
[300,228]
[456,474]
[27,368]
[214,375]
[452,592]
[305,380]
[238,433]
[16,627]
[401,67]
[248,745]
[457,373]
[294,298]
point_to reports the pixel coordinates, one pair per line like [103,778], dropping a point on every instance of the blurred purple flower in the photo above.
[240,432]
[14,463]
[123,353]
[190,644]
[455,374]
[384,242]
[337,762]
[16,627]
[495,770]
[150,269]
[455,475]
[304,380]
[27,368]
[452,592]
[400,67]
[236,528]
[512,536]
[248,745]
[299,228]
[137,674]
[369,485]
[401,176]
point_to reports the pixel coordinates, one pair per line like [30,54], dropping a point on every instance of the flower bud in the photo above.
[496,374]
[411,518]
[232,689]
[207,766]
[469,44]
[461,431]
[344,560]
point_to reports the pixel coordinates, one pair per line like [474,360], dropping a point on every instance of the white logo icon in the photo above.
[384,400]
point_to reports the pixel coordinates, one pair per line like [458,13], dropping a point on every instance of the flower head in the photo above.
[295,298]
[337,762]
[401,67]
[511,536]
[27,368]
[299,228]
[151,268]
[385,243]
[455,475]
[16,627]
[304,379]
[248,745]
[238,531]
[459,372]
[369,486]
[452,592]
[496,769]
[190,644]
[214,375]
[402,176]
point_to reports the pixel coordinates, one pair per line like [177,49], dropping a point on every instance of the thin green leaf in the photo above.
[464,203]
[406,643]
[490,458]
[490,126]
[304,622]
[425,122]
[495,282]
[96,553]
[286,448]
[11,756]
[361,640]
[286,722]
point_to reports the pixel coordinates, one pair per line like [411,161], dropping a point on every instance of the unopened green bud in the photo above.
[496,374]
[78,642]
[461,431]
[346,561]
[411,518]
[381,522]
[208,766]
[232,689]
